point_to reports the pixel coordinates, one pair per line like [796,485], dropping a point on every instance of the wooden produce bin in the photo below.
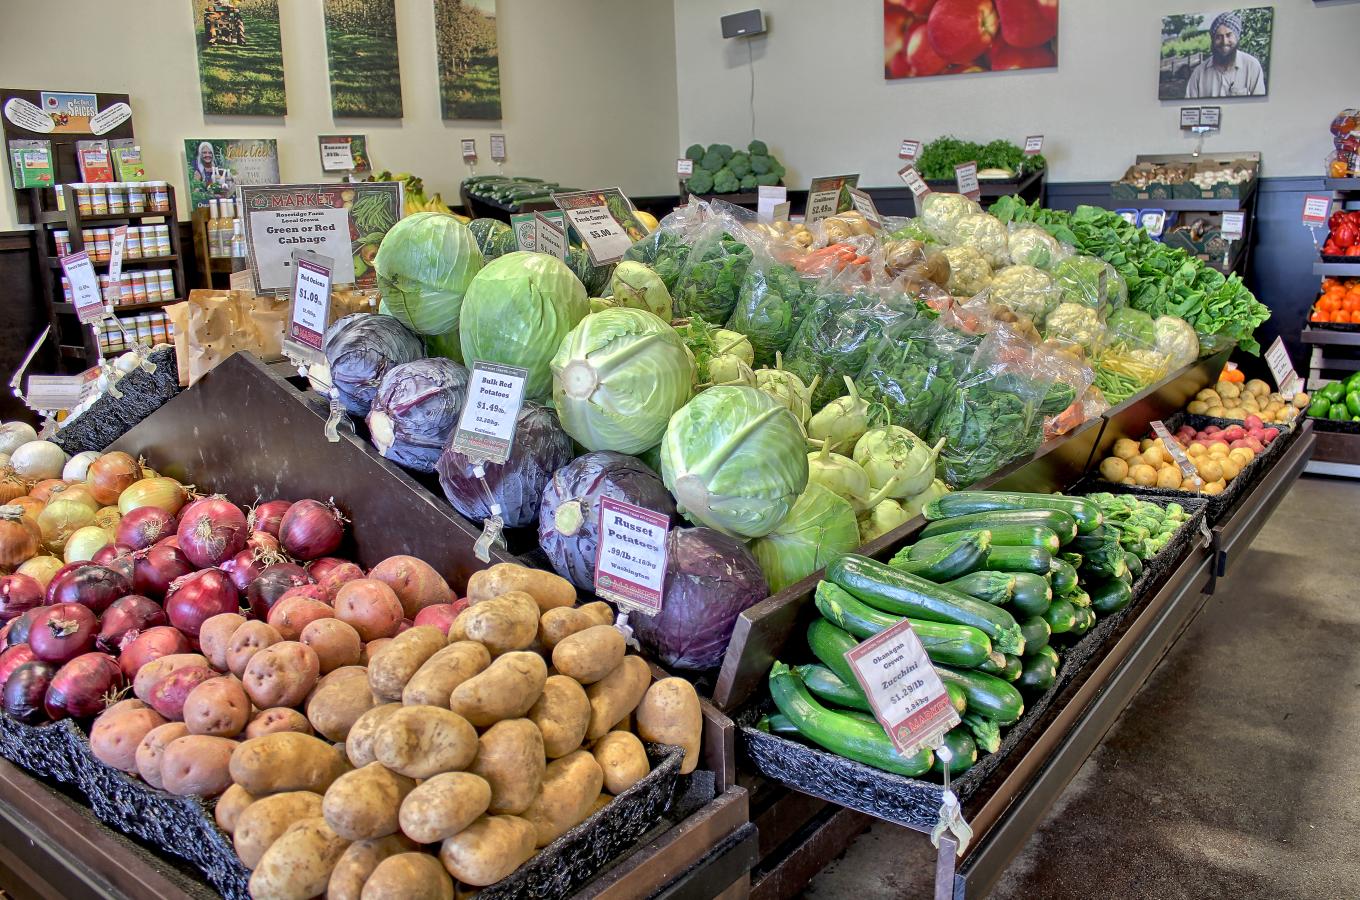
[244,431]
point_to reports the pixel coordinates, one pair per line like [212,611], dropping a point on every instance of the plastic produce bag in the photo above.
[708,285]
[941,212]
[1131,360]
[1024,290]
[667,248]
[913,369]
[773,299]
[1091,282]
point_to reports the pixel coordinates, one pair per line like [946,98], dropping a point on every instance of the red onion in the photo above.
[155,568]
[196,598]
[267,516]
[263,544]
[84,686]
[4,634]
[61,633]
[94,586]
[242,569]
[128,615]
[13,658]
[311,529]
[18,628]
[273,582]
[171,541]
[26,690]
[441,616]
[150,644]
[111,553]
[335,576]
[144,526]
[323,566]
[211,531]
[19,594]
[69,567]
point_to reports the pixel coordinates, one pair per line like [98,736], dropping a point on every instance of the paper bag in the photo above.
[212,325]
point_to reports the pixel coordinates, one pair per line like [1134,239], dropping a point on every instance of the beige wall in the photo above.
[824,107]
[588,89]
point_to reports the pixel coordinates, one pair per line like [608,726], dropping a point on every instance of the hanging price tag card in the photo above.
[1210,116]
[1034,145]
[119,242]
[486,427]
[684,167]
[84,283]
[604,220]
[908,698]
[965,176]
[1174,448]
[865,205]
[913,180]
[469,146]
[1190,117]
[1282,369]
[498,148]
[1233,225]
[1316,209]
[309,311]
[58,392]
[630,559]
[549,237]
[909,150]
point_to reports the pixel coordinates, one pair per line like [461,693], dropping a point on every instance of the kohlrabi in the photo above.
[788,389]
[891,452]
[729,369]
[884,517]
[937,488]
[844,477]
[635,285]
[843,421]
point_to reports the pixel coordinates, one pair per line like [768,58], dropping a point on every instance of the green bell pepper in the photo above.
[1318,408]
[1338,413]
[1353,382]
[1353,402]
[1334,392]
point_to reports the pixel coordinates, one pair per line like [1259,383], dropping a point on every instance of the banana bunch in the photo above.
[415,204]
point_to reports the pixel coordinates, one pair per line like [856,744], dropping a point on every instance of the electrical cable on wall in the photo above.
[751,64]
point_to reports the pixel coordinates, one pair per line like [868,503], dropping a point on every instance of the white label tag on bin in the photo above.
[1034,145]
[630,558]
[58,392]
[913,180]
[908,698]
[469,147]
[684,167]
[909,150]
[965,176]
[85,296]
[1282,368]
[486,427]
[1233,225]
[1316,209]
[768,196]
[865,205]
[498,148]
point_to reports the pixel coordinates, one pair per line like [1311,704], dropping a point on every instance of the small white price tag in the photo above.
[469,151]
[337,155]
[85,296]
[1034,145]
[1190,117]
[588,212]
[965,176]
[865,204]
[309,312]
[119,242]
[768,196]
[908,698]
[1316,209]
[59,392]
[1186,466]
[630,558]
[498,148]
[909,150]
[1282,368]
[781,211]
[243,280]
[549,237]
[913,180]
[486,427]
[684,167]
[1233,225]
[1210,116]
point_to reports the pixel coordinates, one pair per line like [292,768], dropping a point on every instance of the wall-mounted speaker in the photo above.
[743,24]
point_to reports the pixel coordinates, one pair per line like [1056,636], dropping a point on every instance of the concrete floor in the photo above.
[1233,773]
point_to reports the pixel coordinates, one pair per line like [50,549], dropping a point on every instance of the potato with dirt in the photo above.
[548,589]
[670,714]
[298,865]
[335,643]
[390,670]
[505,623]
[230,805]
[507,689]
[286,761]
[414,581]
[339,702]
[560,621]
[359,741]
[276,719]
[197,765]
[214,637]
[217,707]
[246,641]
[591,654]
[421,741]
[443,805]
[409,876]
[264,821]
[162,667]
[433,682]
[358,862]
[488,850]
[370,607]
[363,804]
[623,760]
[281,674]
[119,731]
[562,715]
[510,757]
[615,696]
[570,786]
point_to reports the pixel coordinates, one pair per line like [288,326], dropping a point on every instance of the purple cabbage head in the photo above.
[710,579]
[415,411]
[569,518]
[360,349]
[541,447]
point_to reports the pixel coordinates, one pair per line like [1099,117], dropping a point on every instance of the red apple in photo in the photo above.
[897,65]
[919,7]
[895,24]
[962,30]
[1028,23]
[1004,57]
[921,56]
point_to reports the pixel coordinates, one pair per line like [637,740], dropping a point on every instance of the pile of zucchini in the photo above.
[511,191]
[990,582]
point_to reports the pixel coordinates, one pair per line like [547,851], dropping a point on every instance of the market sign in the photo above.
[906,693]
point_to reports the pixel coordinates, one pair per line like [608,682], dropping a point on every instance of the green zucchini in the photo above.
[995,588]
[1086,620]
[959,558]
[985,732]
[1010,668]
[987,695]
[1062,576]
[959,503]
[954,645]
[1050,653]
[1135,564]
[829,644]
[843,734]
[1078,598]
[994,664]
[888,589]
[1089,541]
[1018,559]
[1062,524]
[963,752]
[827,686]
[1072,559]
[957,698]
[779,724]
[1019,535]
[1032,593]
[1037,632]
[1061,616]
[1109,597]
[1037,674]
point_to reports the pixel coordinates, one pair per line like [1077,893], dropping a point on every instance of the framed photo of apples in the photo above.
[923,38]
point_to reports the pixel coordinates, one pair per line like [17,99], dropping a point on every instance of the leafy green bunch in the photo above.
[712,278]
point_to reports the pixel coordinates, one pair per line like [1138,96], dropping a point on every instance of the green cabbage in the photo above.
[820,527]
[617,379]
[517,311]
[425,265]
[736,461]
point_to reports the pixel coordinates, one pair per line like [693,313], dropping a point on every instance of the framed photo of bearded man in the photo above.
[1218,54]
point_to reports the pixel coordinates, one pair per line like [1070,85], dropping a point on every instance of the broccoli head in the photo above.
[778,169]
[724,149]
[758,148]
[768,179]
[701,182]
[695,152]
[740,164]
[724,182]
[760,163]
[712,161]
[748,182]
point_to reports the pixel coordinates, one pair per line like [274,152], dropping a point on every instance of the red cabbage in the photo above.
[416,409]
[710,579]
[360,349]
[569,517]
[541,448]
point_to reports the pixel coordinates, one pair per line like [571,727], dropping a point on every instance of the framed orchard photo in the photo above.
[1217,54]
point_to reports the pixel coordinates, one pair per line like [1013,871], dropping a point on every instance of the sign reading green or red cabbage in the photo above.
[630,560]
[425,265]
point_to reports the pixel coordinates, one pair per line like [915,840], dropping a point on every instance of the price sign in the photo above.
[684,167]
[769,196]
[549,237]
[58,392]
[1154,221]
[526,231]
[486,427]
[909,150]
[781,211]
[309,311]
[907,696]
[84,287]
[498,148]
[604,220]
[1316,209]
[1177,454]
[1190,116]
[1210,116]
[865,204]
[1034,145]
[469,151]
[243,280]
[336,155]
[1234,223]
[965,176]
[825,196]
[630,558]
[913,179]
[119,242]
[1282,369]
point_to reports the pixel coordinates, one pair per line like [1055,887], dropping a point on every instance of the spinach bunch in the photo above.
[712,278]
[990,420]
[914,372]
[665,251]
[772,301]
[836,336]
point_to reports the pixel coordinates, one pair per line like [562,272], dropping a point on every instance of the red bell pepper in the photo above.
[1345,234]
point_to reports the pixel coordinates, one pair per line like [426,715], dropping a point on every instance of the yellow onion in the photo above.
[85,543]
[112,474]
[165,493]
[11,485]
[78,466]
[108,517]
[43,490]
[79,492]
[19,536]
[30,505]
[41,569]
[60,519]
